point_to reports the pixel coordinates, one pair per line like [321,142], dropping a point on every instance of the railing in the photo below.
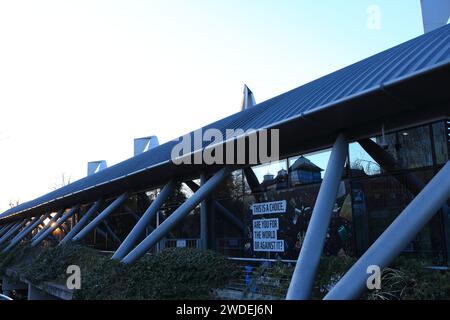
[231,246]
[3,297]
[261,281]
[180,243]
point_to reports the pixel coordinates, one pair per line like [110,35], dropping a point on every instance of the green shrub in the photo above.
[411,279]
[182,273]
[330,271]
[171,274]
[52,262]
[18,255]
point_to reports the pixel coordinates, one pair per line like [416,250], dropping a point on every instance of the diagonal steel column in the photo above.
[63,229]
[410,180]
[52,220]
[83,221]
[13,231]
[139,229]
[308,260]
[54,226]
[396,237]
[229,215]
[7,228]
[100,232]
[219,207]
[252,180]
[36,222]
[177,216]
[114,236]
[103,215]
[32,221]
[3,227]
[131,212]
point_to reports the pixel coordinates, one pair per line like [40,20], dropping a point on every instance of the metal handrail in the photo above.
[3,297]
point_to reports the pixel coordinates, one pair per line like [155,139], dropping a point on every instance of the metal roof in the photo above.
[332,97]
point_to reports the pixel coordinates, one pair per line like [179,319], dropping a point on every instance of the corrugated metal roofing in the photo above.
[423,53]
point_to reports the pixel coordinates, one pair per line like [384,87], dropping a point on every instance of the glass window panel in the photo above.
[440,137]
[231,187]
[178,196]
[272,176]
[361,163]
[414,148]
[377,201]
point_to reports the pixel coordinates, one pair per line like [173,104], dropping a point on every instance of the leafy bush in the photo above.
[182,273]
[411,279]
[52,262]
[16,256]
[330,271]
[171,274]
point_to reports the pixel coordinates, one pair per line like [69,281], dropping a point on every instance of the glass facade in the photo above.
[270,205]
[381,178]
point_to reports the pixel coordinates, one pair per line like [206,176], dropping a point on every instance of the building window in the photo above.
[413,148]
[441,141]
[361,163]
[377,201]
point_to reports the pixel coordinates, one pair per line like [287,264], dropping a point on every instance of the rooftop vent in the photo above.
[248,100]
[435,14]
[95,166]
[144,144]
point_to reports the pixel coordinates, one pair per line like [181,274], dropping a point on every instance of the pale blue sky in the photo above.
[80,79]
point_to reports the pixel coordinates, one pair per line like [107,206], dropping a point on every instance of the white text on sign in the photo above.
[269,207]
[265,236]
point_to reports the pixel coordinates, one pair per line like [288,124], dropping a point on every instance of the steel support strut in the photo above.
[34,224]
[83,221]
[410,180]
[103,215]
[177,216]
[25,229]
[13,231]
[52,220]
[308,260]
[396,237]
[227,214]
[7,228]
[139,229]
[54,226]
[114,236]
[2,228]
